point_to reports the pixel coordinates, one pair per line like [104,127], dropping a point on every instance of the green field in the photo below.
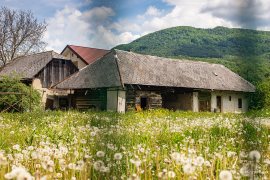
[157,144]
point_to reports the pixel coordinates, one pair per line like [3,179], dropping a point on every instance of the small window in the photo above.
[240,103]
[230,98]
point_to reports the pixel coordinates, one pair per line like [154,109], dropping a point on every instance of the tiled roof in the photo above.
[87,54]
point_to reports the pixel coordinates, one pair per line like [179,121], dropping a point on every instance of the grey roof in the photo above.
[101,73]
[28,66]
[120,67]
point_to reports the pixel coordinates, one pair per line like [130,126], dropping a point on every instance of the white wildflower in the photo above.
[110,146]
[104,169]
[93,134]
[207,163]
[162,175]
[231,153]
[254,156]
[19,173]
[171,174]
[176,156]
[98,164]
[199,161]
[118,156]
[267,161]
[16,147]
[225,175]
[137,163]
[188,169]
[245,171]
[243,154]
[100,154]
[72,166]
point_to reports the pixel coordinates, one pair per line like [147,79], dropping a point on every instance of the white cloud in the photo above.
[89,28]
[183,13]
[245,13]
[66,27]
[97,28]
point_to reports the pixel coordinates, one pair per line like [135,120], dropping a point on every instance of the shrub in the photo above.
[21,97]
[261,98]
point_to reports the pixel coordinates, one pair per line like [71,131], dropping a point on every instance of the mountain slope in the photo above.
[195,42]
[246,52]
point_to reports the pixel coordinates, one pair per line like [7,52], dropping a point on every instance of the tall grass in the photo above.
[157,144]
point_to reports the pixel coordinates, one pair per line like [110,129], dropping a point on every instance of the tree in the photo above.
[20,34]
[28,99]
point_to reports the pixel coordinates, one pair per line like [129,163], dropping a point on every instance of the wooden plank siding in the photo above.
[55,71]
[90,99]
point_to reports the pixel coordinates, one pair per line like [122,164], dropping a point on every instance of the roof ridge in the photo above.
[23,56]
[116,59]
[170,59]
[88,47]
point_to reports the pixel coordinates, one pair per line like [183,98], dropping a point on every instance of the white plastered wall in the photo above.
[195,102]
[116,100]
[228,105]
[74,58]
[47,93]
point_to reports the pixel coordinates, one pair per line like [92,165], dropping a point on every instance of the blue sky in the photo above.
[106,23]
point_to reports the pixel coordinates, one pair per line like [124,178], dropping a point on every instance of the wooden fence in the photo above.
[13,106]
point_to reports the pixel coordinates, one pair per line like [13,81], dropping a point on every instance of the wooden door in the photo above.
[219,104]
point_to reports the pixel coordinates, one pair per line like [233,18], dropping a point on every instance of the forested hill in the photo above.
[245,51]
[195,42]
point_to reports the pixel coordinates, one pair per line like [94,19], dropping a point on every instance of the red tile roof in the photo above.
[87,54]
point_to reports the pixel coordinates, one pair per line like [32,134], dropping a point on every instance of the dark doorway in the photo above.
[219,103]
[49,104]
[63,103]
[204,101]
[143,102]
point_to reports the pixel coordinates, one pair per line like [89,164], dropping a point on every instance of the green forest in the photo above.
[246,52]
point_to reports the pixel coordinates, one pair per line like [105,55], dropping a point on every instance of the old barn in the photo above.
[121,81]
[83,56]
[42,71]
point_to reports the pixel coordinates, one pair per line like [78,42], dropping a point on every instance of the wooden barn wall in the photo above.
[133,97]
[177,101]
[90,99]
[56,71]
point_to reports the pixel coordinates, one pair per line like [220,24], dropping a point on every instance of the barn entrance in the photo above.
[49,104]
[204,101]
[219,106]
[63,103]
[144,103]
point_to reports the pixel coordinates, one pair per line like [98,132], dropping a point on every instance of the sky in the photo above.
[107,23]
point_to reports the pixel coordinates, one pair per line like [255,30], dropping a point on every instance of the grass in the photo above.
[157,144]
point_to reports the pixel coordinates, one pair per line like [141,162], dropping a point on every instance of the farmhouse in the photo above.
[82,56]
[121,81]
[42,71]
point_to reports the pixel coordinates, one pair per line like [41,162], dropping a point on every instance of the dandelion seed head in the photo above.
[254,156]
[98,164]
[171,174]
[100,154]
[225,175]
[188,169]
[245,171]
[118,156]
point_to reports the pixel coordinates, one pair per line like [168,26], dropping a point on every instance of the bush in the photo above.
[261,99]
[26,98]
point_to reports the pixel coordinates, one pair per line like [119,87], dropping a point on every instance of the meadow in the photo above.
[157,144]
